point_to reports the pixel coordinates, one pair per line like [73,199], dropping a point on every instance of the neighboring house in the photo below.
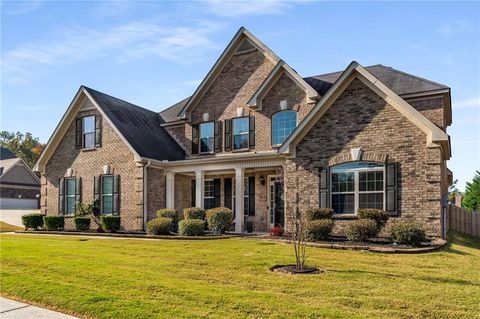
[257,137]
[19,186]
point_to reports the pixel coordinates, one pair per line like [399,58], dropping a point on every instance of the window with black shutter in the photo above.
[251,196]
[228,135]
[195,139]
[391,188]
[98,131]
[107,194]
[227,194]
[217,137]
[251,132]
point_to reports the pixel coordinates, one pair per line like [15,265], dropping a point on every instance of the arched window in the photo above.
[357,185]
[283,124]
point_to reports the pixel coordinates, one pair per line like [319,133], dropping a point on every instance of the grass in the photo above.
[4,227]
[108,278]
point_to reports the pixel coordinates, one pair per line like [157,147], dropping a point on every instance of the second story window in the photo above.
[240,133]
[206,137]
[283,124]
[88,131]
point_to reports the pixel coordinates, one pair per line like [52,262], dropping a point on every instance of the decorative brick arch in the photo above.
[346,157]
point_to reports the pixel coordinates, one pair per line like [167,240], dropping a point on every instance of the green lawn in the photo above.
[4,227]
[108,278]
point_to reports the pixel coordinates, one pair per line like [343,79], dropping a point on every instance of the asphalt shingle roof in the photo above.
[5,153]
[140,127]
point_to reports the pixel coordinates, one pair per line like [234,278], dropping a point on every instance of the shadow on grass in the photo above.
[457,239]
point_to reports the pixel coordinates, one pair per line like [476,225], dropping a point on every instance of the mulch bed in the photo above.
[291,269]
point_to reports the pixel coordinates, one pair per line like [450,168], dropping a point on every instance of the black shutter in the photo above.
[195,139]
[324,187]
[78,133]
[227,192]
[116,194]
[61,198]
[216,192]
[78,190]
[97,189]
[391,188]
[228,135]
[193,193]
[217,137]
[98,131]
[251,196]
[251,135]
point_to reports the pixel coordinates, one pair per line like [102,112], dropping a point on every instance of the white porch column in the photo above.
[239,189]
[170,186]
[199,185]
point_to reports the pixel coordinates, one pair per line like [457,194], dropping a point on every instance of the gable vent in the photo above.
[245,47]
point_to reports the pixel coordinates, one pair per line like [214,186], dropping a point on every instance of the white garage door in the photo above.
[9,203]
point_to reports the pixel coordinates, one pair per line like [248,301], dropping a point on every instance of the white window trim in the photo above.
[205,197]
[245,133]
[200,138]
[356,190]
[271,126]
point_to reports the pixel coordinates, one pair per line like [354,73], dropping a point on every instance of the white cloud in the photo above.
[454,27]
[467,103]
[246,7]
[123,42]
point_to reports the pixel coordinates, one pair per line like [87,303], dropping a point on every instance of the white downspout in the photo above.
[145,195]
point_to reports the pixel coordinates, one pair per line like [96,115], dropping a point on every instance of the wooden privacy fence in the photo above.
[464,221]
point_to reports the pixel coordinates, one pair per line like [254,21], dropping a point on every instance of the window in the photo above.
[107,194]
[206,137]
[70,192]
[209,194]
[88,131]
[283,124]
[357,185]
[240,133]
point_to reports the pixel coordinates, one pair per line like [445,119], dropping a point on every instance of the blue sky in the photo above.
[155,53]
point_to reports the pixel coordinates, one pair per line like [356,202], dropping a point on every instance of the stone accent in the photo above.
[360,118]
[89,163]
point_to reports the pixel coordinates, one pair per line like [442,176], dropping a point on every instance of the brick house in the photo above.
[253,135]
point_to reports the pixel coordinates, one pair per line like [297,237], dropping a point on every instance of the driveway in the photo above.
[10,309]
[14,216]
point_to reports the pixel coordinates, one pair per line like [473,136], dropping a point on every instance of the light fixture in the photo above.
[262,180]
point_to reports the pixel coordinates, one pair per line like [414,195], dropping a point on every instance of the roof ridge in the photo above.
[415,76]
[329,73]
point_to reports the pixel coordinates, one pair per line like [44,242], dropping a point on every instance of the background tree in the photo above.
[472,193]
[453,192]
[22,145]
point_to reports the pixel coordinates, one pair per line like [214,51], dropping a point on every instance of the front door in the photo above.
[275,201]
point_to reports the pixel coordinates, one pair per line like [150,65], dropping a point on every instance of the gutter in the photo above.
[145,195]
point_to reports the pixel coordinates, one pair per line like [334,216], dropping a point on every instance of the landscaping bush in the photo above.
[169,213]
[160,226]
[219,219]
[110,223]
[32,221]
[276,231]
[379,216]
[82,223]
[319,229]
[191,227]
[408,233]
[54,222]
[361,230]
[316,213]
[194,213]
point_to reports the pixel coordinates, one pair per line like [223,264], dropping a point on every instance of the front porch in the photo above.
[253,189]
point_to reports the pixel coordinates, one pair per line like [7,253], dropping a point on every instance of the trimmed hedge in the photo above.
[32,221]
[169,213]
[194,213]
[316,213]
[54,222]
[191,227]
[160,226]
[319,229]
[219,219]
[379,216]
[361,230]
[408,233]
[110,223]
[82,223]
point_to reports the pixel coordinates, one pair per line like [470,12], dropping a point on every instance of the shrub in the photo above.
[82,223]
[191,227]
[32,221]
[219,219]
[319,229]
[54,222]
[169,213]
[379,216]
[361,230]
[276,231]
[160,226]
[194,213]
[408,233]
[315,213]
[84,209]
[110,223]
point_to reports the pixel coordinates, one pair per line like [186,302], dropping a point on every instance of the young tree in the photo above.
[22,145]
[472,193]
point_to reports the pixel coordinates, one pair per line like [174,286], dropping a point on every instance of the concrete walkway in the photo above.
[14,216]
[10,309]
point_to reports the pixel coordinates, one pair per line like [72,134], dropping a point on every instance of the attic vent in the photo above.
[245,47]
